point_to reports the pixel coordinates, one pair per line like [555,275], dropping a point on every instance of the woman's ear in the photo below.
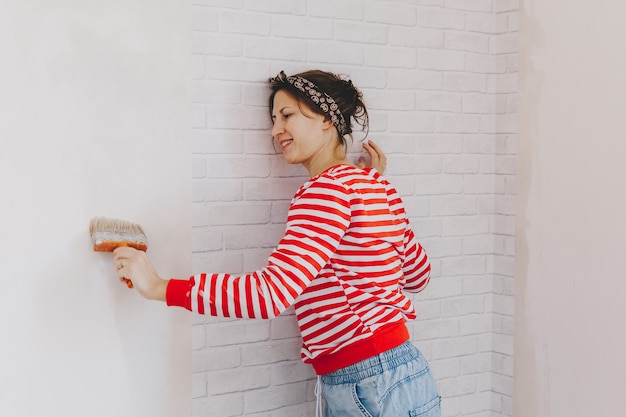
[327,124]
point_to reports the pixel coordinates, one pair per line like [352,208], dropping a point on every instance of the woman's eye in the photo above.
[286,116]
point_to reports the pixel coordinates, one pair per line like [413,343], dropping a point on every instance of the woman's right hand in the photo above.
[378,160]
[134,265]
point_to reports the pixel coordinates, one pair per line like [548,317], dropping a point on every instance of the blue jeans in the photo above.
[396,383]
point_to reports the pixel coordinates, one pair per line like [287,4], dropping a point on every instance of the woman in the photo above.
[347,256]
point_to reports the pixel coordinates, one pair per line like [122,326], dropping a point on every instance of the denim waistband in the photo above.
[375,365]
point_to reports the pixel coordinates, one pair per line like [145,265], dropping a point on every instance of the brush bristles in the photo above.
[108,234]
[104,224]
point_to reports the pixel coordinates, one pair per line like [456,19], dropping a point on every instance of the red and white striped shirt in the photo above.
[347,255]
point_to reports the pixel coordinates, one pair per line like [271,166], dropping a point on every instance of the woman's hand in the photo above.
[378,160]
[134,265]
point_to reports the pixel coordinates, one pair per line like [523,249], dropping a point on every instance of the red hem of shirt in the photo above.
[385,338]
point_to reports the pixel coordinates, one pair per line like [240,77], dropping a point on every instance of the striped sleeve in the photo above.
[318,219]
[416,266]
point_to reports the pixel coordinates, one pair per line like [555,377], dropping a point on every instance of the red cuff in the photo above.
[178,293]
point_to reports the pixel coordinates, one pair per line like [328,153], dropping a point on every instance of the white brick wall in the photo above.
[440,81]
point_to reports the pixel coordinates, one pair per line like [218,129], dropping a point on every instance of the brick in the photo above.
[207,240]
[501,6]
[484,103]
[484,184]
[381,12]
[335,53]
[233,167]
[447,348]
[198,168]
[274,49]
[238,379]
[223,190]
[439,144]
[277,6]
[441,60]
[411,123]
[458,386]
[301,27]
[245,23]
[485,144]
[253,236]
[459,164]
[345,9]
[198,385]
[440,18]
[229,405]
[438,102]
[217,142]
[470,5]
[439,184]
[198,116]
[405,165]
[392,57]
[478,285]
[462,306]
[502,83]
[434,329]
[291,372]
[446,368]
[416,37]
[221,68]
[464,82]
[271,353]
[275,397]
[230,118]
[467,41]
[465,226]
[486,23]
[485,64]
[415,79]
[360,32]
[475,324]
[465,265]
[241,214]
[215,92]
[478,402]
[237,332]
[216,358]
[284,327]
[457,124]
[197,337]
[390,99]
[217,44]
[504,123]
[443,247]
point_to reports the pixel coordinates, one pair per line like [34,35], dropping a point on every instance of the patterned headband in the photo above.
[322,100]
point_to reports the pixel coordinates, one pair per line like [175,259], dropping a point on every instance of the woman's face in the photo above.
[303,136]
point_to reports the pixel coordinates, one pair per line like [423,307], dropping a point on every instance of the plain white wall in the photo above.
[94,121]
[570,286]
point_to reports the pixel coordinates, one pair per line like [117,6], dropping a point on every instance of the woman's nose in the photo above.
[277,129]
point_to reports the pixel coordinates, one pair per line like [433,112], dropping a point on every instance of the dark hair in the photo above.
[348,98]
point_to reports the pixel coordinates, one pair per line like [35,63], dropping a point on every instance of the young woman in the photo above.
[347,257]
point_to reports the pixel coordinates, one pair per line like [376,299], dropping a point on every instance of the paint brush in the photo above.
[109,234]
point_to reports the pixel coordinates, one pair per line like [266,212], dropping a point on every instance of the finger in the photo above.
[379,153]
[374,156]
[361,162]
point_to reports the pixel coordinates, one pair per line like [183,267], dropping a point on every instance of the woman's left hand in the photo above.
[378,160]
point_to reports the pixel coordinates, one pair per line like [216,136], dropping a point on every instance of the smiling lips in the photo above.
[285,143]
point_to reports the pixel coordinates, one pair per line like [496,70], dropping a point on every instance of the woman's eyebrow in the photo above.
[280,111]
